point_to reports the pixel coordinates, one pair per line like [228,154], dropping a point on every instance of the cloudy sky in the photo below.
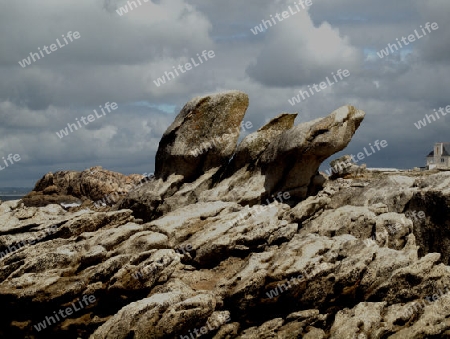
[117,58]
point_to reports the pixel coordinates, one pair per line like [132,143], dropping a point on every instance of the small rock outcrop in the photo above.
[344,166]
[93,184]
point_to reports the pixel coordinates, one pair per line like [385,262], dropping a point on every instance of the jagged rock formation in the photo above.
[350,261]
[279,157]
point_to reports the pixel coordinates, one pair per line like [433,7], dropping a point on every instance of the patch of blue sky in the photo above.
[162,107]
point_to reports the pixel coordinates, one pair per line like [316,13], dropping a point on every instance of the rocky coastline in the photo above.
[243,240]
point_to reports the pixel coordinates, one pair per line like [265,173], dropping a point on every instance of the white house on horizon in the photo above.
[439,156]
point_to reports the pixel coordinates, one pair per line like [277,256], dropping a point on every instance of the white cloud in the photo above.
[297,53]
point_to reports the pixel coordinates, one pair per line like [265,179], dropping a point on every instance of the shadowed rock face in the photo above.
[345,262]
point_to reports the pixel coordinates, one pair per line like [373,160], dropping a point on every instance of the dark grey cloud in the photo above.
[117,59]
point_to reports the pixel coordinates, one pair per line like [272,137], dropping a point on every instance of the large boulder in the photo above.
[203,135]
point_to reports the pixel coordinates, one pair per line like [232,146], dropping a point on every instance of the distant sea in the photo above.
[11,197]
[13,193]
